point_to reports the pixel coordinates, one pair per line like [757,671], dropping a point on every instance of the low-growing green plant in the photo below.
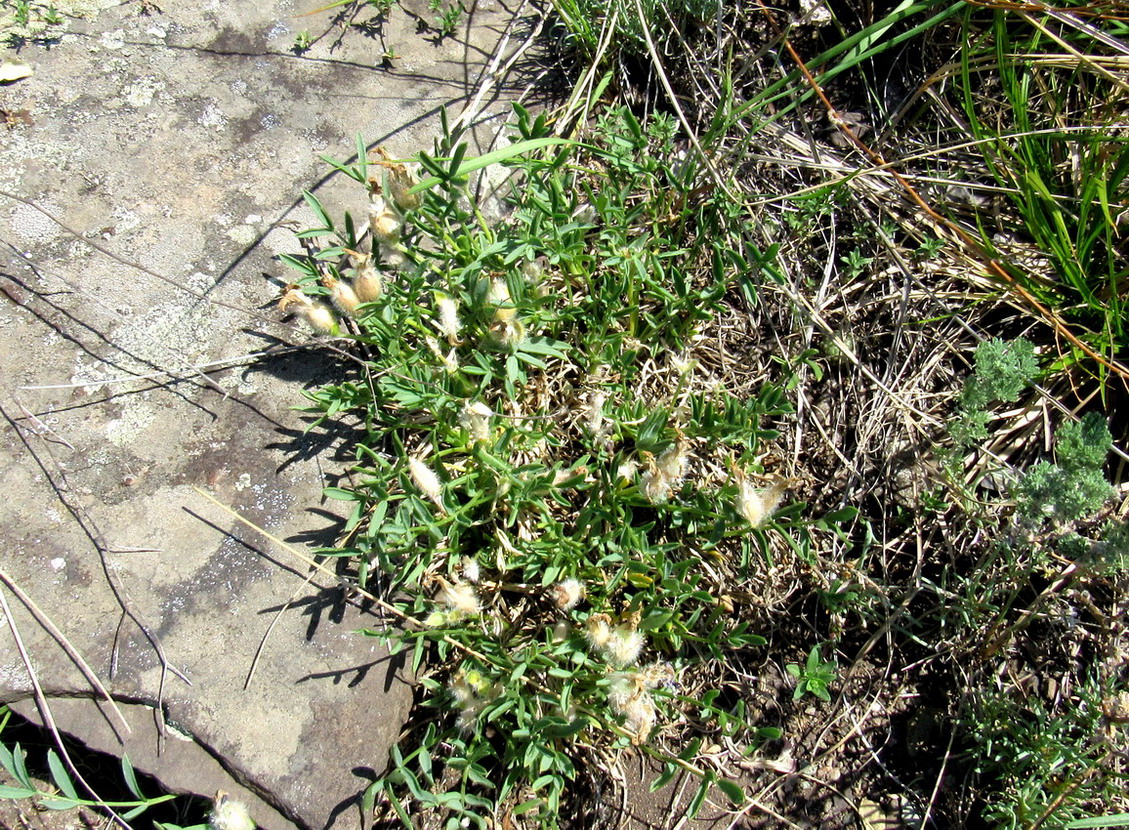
[550,487]
[1002,370]
[447,16]
[66,795]
[1050,761]
[1073,487]
[22,20]
[815,676]
[302,41]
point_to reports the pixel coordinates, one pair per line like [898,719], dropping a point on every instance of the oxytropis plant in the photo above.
[553,490]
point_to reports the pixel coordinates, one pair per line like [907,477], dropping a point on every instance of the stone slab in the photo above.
[180,136]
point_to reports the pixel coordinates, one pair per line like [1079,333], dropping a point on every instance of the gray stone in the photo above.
[181,140]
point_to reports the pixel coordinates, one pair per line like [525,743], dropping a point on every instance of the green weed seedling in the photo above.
[1046,759]
[447,16]
[814,677]
[302,41]
[548,488]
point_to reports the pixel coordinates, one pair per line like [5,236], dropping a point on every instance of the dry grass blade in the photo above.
[48,718]
[994,266]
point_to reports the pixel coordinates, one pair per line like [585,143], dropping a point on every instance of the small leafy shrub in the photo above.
[556,497]
[1074,487]
[447,16]
[24,20]
[1002,370]
[66,795]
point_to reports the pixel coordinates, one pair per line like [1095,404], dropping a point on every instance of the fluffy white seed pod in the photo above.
[627,696]
[384,221]
[426,480]
[508,333]
[671,464]
[461,690]
[321,319]
[623,646]
[400,181]
[498,293]
[471,572]
[639,718]
[367,282]
[597,630]
[656,487]
[316,315]
[567,594]
[461,598]
[447,321]
[229,814]
[594,417]
[757,504]
[450,361]
[342,296]
[627,470]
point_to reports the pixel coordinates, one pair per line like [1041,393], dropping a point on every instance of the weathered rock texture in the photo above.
[180,138]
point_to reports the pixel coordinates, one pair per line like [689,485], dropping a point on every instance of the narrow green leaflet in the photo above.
[60,776]
[493,157]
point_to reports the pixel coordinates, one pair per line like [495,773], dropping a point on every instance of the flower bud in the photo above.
[475,419]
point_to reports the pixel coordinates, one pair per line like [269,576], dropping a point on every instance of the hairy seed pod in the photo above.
[342,296]
[567,593]
[460,597]
[426,480]
[367,282]
[384,221]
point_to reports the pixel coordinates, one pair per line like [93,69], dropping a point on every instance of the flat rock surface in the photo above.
[179,137]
